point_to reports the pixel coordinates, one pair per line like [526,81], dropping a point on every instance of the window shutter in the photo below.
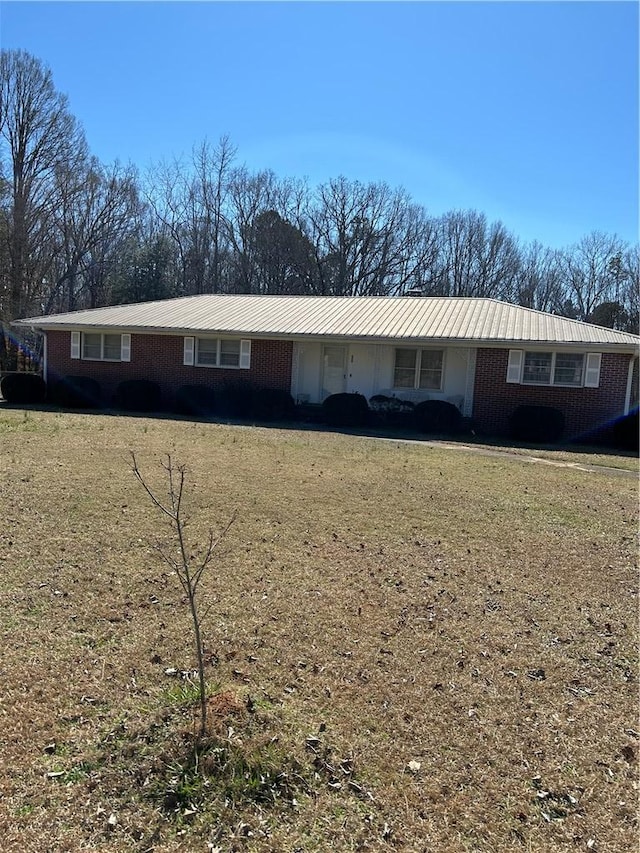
[245,354]
[125,348]
[75,344]
[189,348]
[592,370]
[514,368]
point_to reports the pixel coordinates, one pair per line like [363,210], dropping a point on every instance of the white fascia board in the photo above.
[480,343]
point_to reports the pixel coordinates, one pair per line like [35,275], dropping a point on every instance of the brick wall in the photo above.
[635,384]
[584,409]
[159,358]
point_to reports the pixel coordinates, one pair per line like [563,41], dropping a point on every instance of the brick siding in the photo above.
[159,358]
[584,409]
[635,384]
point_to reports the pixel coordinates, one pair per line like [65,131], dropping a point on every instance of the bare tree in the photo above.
[189,201]
[249,196]
[212,173]
[188,568]
[368,238]
[630,288]
[96,212]
[589,271]
[538,281]
[38,137]
[474,258]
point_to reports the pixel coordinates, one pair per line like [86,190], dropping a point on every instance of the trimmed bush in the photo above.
[626,432]
[538,424]
[23,388]
[272,404]
[236,399]
[77,392]
[138,395]
[348,410]
[437,417]
[197,400]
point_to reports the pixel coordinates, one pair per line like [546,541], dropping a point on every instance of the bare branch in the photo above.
[154,499]
[188,577]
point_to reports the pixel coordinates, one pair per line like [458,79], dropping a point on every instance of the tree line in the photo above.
[77,233]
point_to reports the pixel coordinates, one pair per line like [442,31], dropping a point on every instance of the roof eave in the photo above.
[36,323]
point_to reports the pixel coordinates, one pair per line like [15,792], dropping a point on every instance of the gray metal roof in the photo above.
[453,319]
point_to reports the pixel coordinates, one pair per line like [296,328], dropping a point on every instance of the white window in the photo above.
[207,352]
[217,352]
[573,369]
[418,368]
[537,367]
[229,353]
[99,346]
[568,368]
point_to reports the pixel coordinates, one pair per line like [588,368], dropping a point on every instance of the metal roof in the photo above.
[407,318]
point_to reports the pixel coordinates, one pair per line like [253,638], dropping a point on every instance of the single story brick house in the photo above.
[484,356]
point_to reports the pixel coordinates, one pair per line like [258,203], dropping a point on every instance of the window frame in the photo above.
[538,354]
[124,346]
[244,352]
[589,370]
[417,370]
[583,368]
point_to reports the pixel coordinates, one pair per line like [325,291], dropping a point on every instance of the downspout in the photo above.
[44,357]
[470,381]
[627,396]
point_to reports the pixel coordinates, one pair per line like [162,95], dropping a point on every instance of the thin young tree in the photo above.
[188,567]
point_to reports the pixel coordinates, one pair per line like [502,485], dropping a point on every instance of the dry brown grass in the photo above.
[375,604]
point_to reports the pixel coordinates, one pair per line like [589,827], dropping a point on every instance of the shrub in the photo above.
[391,411]
[138,395]
[23,388]
[437,416]
[198,400]
[539,424]
[345,410]
[235,400]
[272,404]
[77,392]
[626,432]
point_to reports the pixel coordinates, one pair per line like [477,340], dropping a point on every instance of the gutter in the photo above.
[627,396]
[501,343]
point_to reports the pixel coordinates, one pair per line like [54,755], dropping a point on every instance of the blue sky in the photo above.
[527,111]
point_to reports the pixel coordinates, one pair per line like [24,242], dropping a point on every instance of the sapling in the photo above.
[189,569]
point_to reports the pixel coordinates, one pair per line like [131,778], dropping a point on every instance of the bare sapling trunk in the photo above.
[188,569]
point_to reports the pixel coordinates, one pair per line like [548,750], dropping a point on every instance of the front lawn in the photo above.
[409,647]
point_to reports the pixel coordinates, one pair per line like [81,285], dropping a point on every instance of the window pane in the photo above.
[207,351]
[112,347]
[91,346]
[431,369]
[537,367]
[568,369]
[404,375]
[229,353]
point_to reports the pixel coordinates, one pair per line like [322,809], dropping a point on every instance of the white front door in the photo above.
[361,366]
[333,370]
